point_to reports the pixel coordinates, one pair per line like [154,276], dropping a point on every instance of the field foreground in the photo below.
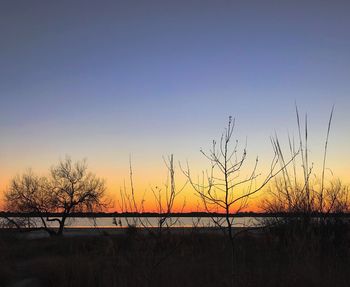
[192,258]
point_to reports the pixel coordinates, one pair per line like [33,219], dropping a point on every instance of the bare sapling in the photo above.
[222,189]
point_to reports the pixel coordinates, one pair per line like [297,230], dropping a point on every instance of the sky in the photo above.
[105,80]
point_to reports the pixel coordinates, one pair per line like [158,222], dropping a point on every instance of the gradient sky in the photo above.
[105,79]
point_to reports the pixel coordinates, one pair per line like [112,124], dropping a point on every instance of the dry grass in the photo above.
[274,258]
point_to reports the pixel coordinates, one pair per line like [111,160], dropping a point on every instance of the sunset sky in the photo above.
[103,80]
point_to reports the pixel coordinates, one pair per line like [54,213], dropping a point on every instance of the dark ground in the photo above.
[278,257]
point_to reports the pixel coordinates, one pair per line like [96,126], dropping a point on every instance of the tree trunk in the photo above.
[233,265]
[61,226]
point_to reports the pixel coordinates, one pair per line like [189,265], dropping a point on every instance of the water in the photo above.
[120,222]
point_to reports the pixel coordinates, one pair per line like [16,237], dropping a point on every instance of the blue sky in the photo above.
[103,79]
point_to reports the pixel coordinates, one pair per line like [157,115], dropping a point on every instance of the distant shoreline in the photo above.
[184,214]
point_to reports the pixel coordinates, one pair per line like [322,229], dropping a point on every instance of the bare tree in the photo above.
[75,189]
[158,247]
[69,188]
[27,194]
[164,198]
[223,189]
[128,203]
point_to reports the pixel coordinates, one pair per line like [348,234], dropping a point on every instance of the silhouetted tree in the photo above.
[222,188]
[164,197]
[158,247]
[28,193]
[69,188]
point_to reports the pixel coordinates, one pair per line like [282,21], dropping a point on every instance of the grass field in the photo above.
[278,257]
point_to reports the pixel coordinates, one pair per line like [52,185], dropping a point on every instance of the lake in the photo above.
[122,222]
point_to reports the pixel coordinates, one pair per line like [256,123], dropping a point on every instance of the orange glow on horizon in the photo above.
[143,185]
